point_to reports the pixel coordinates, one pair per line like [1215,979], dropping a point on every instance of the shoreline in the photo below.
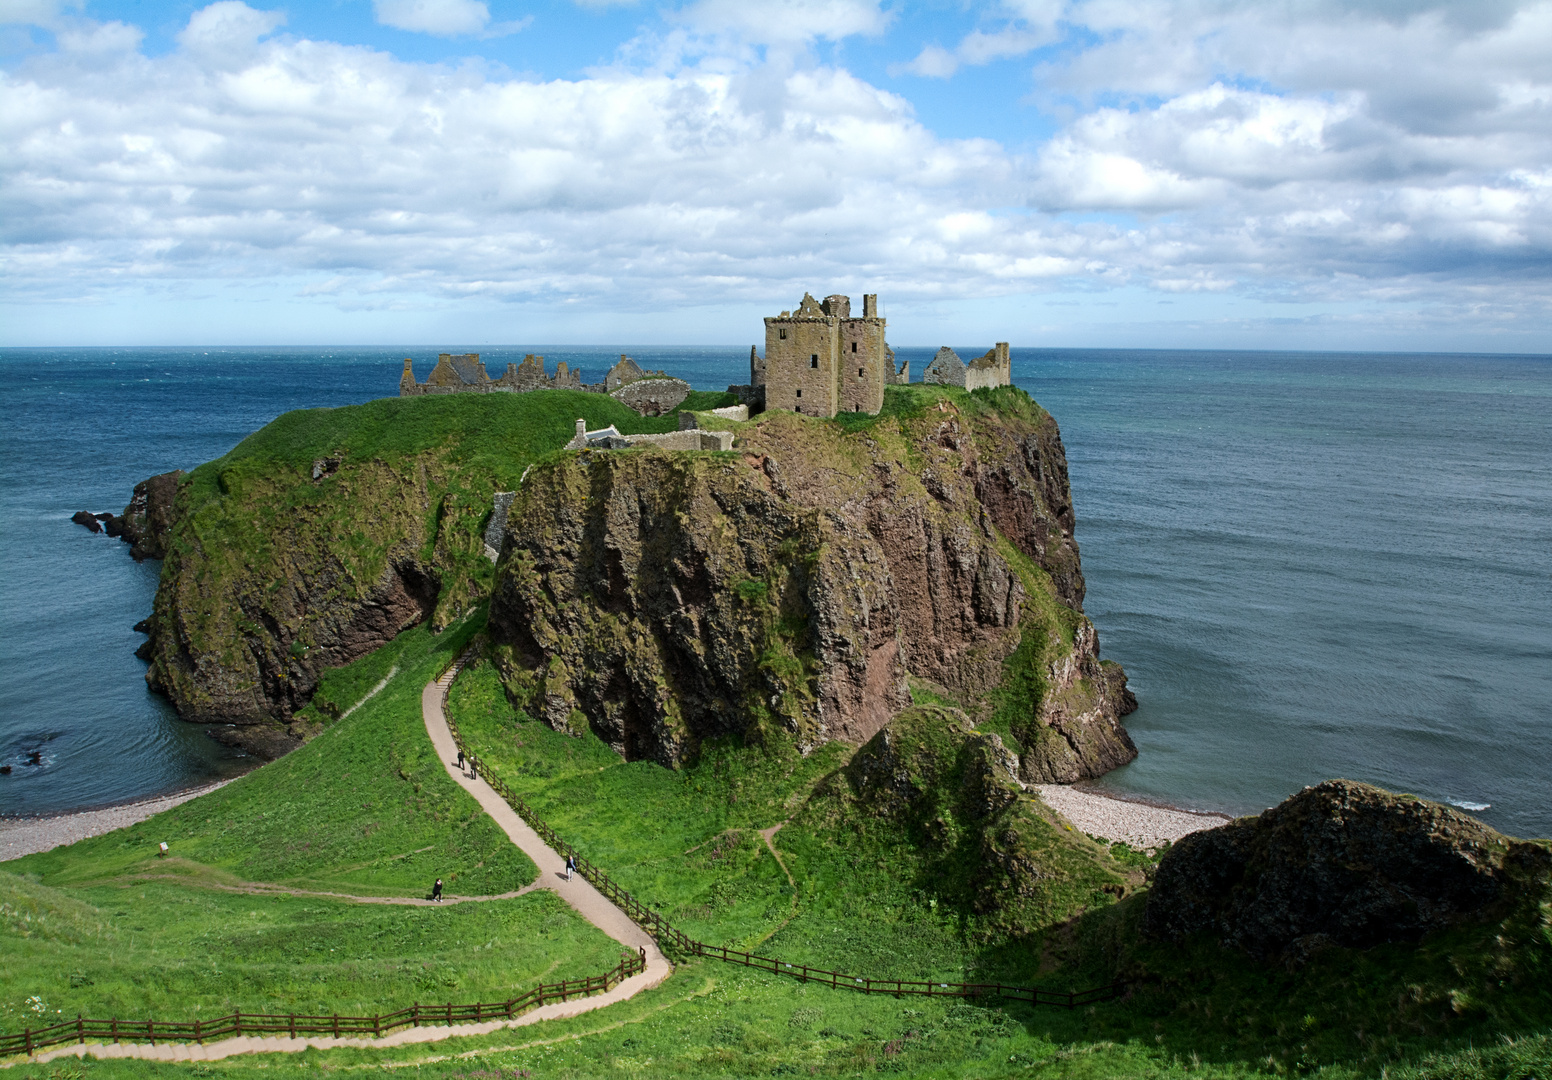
[1139,822]
[21,836]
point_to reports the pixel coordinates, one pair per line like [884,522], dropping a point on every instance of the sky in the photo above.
[1267,174]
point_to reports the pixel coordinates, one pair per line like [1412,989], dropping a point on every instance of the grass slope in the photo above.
[874,895]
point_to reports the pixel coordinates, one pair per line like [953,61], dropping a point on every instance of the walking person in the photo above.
[571,865]
[460,761]
[436,891]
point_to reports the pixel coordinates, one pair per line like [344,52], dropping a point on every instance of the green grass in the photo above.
[173,950]
[365,808]
[873,898]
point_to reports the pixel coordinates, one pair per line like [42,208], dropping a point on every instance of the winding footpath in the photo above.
[588,902]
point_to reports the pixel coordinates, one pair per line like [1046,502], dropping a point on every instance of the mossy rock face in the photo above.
[1343,864]
[786,589]
[325,534]
[955,792]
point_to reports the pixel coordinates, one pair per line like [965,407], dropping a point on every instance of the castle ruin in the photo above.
[995,368]
[651,393]
[820,360]
[463,373]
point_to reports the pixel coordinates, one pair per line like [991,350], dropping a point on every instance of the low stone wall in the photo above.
[693,439]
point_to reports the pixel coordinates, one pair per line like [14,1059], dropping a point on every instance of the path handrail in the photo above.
[80,1029]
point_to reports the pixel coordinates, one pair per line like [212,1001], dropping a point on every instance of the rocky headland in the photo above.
[798,585]
[805,585]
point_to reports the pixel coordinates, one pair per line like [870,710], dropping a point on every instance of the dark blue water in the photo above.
[1312,565]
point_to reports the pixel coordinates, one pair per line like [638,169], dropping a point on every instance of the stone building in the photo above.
[995,368]
[463,373]
[820,360]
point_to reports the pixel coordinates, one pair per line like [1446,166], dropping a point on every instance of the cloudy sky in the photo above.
[1314,174]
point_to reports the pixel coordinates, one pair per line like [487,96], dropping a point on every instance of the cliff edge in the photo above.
[795,586]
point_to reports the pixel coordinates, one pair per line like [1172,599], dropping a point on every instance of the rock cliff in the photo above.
[791,587]
[321,537]
[1341,863]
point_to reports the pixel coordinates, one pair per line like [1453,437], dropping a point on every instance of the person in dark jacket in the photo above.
[436,891]
[571,866]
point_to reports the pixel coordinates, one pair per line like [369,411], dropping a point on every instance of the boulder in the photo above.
[86,519]
[1341,863]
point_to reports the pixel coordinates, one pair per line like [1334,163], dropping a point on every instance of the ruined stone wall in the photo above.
[800,368]
[861,366]
[995,368]
[653,396]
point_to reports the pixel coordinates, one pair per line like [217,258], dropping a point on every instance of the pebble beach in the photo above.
[1142,825]
[27,836]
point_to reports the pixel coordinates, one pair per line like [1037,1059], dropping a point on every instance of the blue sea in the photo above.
[1311,564]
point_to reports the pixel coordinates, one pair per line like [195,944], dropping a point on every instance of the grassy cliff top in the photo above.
[499,434]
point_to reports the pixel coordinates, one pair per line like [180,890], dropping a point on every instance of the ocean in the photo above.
[1310,564]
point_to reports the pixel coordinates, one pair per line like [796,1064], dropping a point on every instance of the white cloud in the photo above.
[786,22]
[1295,171]
[444,18]
[229,29]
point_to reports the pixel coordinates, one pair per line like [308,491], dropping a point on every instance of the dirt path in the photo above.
[588,902]
[264,888]
[769,835]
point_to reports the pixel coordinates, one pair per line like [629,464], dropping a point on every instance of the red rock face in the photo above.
[666,598]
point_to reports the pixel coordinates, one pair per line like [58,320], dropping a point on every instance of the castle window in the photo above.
[800,393]
[783,332]
[854,346]
[813,361]
[859,373]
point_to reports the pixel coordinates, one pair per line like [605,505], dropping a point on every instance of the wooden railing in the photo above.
[669,936]
[297,1024]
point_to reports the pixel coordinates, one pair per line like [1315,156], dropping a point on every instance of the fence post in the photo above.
[377,1026]
[196,1034]
[293,1025]
[237,1019]
[415,1014]
[336,1025]
[113,1025]
[27,1036]
[80,1027]
[151,1031]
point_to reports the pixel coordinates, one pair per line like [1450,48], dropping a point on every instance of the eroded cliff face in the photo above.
[793,585]
[283,575]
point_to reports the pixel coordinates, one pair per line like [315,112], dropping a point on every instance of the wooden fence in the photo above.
[667,935]
[297,1024]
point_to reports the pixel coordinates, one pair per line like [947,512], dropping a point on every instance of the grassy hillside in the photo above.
[108,927]
[879,892]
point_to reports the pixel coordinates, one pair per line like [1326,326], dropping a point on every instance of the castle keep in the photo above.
[820,360]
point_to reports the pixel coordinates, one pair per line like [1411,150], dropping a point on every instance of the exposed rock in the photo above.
[87,519]
[149,517]
[667,598]
[956,792]
[1341,863]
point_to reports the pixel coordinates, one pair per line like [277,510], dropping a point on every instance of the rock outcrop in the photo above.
[1341,863]
[985,842]
[666,598]
[148,519]
[325,534]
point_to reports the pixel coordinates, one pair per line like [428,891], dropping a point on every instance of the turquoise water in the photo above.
[1312,565]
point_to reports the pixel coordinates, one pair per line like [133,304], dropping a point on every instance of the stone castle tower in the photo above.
[819,360]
